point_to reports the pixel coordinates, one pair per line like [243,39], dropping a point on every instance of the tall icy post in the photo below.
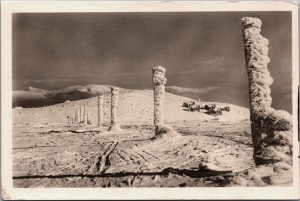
[75,116]
[159,80]
[114,103]
[82,114]
[85,113]
[100,110]
[271,129]
[78,116]
[88,118]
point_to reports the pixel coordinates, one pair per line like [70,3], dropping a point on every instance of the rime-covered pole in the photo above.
[100,110]
[114,103]
[87,113]
[256,53]
[78,116]
[271,129]
[88,118]
[84,113]
[75,116]
[159,81]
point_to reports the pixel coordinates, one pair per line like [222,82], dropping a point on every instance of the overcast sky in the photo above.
[198,49]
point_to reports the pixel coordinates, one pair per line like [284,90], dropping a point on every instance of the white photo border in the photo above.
[8,192]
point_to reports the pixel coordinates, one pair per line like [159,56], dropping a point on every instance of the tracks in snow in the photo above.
[100,163]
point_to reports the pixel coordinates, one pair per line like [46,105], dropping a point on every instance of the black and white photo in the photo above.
[171,97]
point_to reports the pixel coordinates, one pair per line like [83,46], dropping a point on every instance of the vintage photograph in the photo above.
[153,99]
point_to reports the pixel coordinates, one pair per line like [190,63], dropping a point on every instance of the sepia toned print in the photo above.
[152,100]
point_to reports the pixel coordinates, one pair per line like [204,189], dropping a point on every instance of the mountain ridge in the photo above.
[37,97]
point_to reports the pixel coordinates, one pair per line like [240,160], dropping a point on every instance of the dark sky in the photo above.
[199,50]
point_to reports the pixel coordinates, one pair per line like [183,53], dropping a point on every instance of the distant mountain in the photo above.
[36,90]
[28,99]
[35,97]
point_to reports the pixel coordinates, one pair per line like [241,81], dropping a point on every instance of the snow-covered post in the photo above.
[78,116]
[114,103]
[271,129]
[88,118]
[84,113]
[256,53]
[100,110]
[159,81]
[87,112]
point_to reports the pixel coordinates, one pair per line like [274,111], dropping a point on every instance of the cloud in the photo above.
[213,93]
[213,61]
[212,65]
[176,89]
